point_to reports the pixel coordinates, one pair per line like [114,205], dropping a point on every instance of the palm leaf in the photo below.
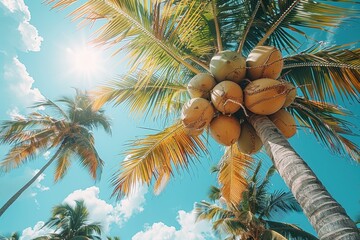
[233,166]
[171,148]
[159,95]
[272,235]
[290,231]
[325,122]
[323,73]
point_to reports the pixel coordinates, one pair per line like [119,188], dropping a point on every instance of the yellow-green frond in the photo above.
[158,96]
[63,163]
[325,121]
[232,174]
[323,74]
[146,158]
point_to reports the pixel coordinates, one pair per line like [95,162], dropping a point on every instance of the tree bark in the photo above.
[328,218]
[26,186]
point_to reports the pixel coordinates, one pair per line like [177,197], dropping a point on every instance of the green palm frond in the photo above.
[322,73]
[208,211]
[214,193]
[290,231]
[170,148]
[325,121]
[155,40]
[157,96]
[47,103]
[231,177]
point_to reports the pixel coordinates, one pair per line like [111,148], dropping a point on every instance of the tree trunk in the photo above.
[28,184]
[327,216]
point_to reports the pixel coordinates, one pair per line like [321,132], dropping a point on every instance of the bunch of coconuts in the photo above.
[222,100]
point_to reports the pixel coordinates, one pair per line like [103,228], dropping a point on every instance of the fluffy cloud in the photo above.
[107,214]
[31,41]
[14,113]
[37,183]
[38,230]
[190,229]
[21,83]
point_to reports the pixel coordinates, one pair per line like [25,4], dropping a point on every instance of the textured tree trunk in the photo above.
[327,216]
[26,186]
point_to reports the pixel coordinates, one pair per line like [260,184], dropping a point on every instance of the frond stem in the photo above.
[242,41]
[321,64]
[276,24]
[217,27]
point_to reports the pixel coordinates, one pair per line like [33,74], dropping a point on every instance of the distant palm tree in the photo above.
[67,132]
[250,219]
[13,236]
[71,223]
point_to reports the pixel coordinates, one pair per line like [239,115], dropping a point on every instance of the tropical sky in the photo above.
[43,54]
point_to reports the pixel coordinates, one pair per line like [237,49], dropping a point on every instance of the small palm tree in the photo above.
[251,218]
[67,132]
[71,223]
[13,236]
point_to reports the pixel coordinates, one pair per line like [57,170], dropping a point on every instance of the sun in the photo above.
[86,62]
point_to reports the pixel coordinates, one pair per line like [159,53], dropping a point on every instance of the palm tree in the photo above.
[168,42]
[67,132]
[71,223]
[251,218]
[13,236]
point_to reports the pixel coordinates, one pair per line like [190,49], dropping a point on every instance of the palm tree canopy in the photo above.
[254,211]
[167,42]
[68,131]
[71,223]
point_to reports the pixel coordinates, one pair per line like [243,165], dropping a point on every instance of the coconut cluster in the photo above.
[235,86]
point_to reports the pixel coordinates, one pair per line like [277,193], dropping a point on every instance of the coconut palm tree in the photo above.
[67,132]
[251,218]
[168,42]
[71,223]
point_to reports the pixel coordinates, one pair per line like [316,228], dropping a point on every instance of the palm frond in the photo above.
[171,148]
[290,231]
[157,96]
[157,41]
[325,122]
[233,166]
[47,103]
[214,193]
[324,73]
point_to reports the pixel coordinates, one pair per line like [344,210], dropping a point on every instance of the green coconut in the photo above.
[248,142]
[265,96]
[227,97]
[200,85]
[290,94]
[225,129]
[228,65]
[197,113]
[285,122]
[264,62]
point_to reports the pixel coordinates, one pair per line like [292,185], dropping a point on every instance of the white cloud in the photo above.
[29,34]
[105,213]
[38,230]
[14,113]
[190,229]
[37,183]
[21,83]
[46,155]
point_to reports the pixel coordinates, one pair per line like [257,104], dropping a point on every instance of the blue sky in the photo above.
[39,54]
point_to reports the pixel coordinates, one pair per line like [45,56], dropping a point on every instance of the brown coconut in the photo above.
[225,129]
[200,85]
[285,122]
[228,65]
[227,97]
[197,113]
[265,96]
[290,94]
[249,142]
[264,62]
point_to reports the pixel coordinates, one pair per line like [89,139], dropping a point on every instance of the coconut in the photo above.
[225,129]
[265,96]
[248,142]
[197,113]
[227,97]
[264,62]
[285,122]
[200,85]
[291,94]
[228,65]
